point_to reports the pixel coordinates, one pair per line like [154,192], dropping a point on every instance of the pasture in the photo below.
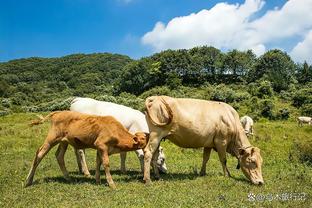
[287,182]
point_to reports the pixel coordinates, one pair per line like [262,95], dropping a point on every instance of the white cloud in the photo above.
[303,50]
[229,26]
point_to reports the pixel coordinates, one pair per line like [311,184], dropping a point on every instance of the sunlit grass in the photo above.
[181,187]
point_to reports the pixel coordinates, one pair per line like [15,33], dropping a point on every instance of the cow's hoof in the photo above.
[148,182]
[112,186]
[87,175]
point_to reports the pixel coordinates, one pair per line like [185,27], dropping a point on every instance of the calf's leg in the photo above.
[97,168]
[41,152]
[105,160]
[81,161]
[59,154]
[206,156]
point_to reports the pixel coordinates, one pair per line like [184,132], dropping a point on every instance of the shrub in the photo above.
[302,151]
[306,109]
[265,89]
[223,93]
[283,114]
[303,96]
[267,107]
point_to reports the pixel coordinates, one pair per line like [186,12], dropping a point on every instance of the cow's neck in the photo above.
[240,142]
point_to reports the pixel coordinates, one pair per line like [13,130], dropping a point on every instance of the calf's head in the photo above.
[251,161]
[141,139]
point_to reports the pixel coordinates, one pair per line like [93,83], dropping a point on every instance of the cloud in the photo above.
[303,50]
[228,26]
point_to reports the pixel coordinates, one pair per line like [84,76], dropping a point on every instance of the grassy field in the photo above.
[287,182]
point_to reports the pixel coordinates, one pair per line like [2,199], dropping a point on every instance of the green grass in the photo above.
[181,187]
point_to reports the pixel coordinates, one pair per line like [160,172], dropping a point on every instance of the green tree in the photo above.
[237,63]
[277,67]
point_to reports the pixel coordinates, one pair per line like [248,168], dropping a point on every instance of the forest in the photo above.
[271,86]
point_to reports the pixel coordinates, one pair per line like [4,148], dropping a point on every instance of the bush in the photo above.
[57,104]
[303,96]
[223,93]
[283,114]
[265,89]
[302,151]
[267,107]
[306,109]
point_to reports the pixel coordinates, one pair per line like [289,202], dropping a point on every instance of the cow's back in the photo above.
[196,123]
[130,118]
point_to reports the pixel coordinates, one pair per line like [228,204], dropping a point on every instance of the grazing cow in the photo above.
[103,133]
[131,119]
[192,123]
[247,123]
[304,119]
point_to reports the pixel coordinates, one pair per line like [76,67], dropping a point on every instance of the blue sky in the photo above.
[140,27]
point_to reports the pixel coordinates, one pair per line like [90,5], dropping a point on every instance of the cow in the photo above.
[193,123]
[304,119]
[103,133]
[131,119]
[247,124]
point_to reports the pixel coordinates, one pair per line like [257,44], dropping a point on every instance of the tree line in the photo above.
[201,72]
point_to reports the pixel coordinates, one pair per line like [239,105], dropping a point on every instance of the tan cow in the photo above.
[103,133]
[192,123]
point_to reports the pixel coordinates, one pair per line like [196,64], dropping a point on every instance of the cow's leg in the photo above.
[82,163]
[78,159]
[41,152]
[221,149]
[97,168]
[140,155]
[149,150]
[154,163]
[105,160]
[59,154]
[206,155]
[123,156]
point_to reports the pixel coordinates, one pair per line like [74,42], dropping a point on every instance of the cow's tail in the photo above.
[41,119]
[167,108]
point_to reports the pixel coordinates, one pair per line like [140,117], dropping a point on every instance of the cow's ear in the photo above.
[157,111]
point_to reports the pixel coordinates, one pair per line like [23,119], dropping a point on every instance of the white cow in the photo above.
[304,119]
[247,123]
[131,119]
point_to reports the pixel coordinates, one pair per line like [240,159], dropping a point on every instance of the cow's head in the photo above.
[251,161]
[141,139]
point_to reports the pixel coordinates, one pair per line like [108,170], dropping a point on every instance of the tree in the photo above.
[238,64]
[304,73]
[277,67]
[209,59]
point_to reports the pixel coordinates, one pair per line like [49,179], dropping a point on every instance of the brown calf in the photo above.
[103,133]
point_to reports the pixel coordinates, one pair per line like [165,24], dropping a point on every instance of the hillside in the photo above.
[34,80]
[270,86]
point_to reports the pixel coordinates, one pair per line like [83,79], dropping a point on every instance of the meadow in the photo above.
[287,181]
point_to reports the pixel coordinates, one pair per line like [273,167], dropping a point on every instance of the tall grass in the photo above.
[181,187]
